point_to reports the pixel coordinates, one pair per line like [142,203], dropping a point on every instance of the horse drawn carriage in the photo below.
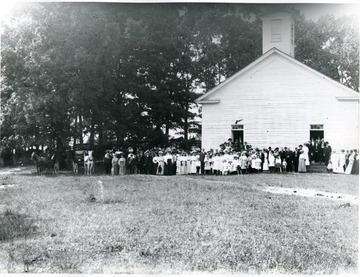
[46,163]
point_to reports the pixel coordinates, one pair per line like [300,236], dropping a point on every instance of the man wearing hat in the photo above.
[108,162]
[168,166]
[131,160]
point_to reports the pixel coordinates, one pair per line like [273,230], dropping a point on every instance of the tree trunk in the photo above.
[75,132]
[92,134]
[81,130]
[101,138]
[186,128]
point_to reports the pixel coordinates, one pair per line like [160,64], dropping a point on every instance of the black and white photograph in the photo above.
[179,138]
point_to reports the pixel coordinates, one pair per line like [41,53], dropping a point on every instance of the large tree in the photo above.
[130,72]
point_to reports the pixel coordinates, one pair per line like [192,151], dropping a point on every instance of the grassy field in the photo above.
[177,224]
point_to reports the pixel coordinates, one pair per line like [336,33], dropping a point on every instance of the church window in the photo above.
[276,30]
[292,34]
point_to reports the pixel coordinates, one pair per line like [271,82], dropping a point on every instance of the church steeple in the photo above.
[278,31]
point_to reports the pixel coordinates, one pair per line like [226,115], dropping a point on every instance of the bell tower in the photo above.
[278,31]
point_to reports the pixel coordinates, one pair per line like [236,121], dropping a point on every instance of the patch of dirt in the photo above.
[16,170]
[353,199]
[3,186]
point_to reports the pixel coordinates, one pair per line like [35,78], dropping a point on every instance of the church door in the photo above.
[237,134]
[316,131]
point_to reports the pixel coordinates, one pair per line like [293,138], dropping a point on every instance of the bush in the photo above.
[13,225]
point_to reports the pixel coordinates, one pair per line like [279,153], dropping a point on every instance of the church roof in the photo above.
[273,51]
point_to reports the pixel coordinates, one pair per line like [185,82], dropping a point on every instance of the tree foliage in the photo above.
[125,73]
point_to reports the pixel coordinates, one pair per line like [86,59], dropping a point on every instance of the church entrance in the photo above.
[237,134]
[316,131]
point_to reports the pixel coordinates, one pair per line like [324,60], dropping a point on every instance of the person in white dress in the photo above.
[335,160]
[156,161]
[225,164]
[182,161]
[243,162]
[266,161]
[302,160]
[306,154]
[193,159]
[235,167]
[257,164]
[188,163]
[342,162]
[122,164]
[207,163]
[216,161]
[351,163]
[160,167]
[271,162]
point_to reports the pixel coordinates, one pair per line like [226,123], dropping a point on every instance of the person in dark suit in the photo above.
[295,159]
[149,165]
[317,150]
[327,153]
[288,159]
[262,157]
[322,151]
[311,146]
[108,162]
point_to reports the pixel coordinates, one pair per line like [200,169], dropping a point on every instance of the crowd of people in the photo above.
[230,160]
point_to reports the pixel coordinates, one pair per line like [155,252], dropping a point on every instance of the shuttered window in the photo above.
[237,127]
[276,30]
[317,127]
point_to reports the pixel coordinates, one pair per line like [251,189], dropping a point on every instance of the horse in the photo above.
[40,163]
[89,164]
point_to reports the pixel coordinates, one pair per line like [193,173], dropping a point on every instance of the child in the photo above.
[329,167]
[234,165]
[278,164]
[257,164]
[284,165]
[243,163]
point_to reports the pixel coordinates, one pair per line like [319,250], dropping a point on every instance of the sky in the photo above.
[311,9]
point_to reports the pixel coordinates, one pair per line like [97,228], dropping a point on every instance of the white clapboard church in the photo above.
[277,101]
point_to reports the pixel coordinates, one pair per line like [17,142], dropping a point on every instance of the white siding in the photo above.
[278,100]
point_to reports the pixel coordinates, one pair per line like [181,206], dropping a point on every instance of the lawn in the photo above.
[177,224]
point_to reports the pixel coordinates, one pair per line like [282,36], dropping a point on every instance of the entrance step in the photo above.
[317,168]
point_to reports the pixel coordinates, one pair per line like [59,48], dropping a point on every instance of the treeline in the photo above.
[129,73]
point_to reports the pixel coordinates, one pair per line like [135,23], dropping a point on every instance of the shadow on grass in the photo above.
[14,225]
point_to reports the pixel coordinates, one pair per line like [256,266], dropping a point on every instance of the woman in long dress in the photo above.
[207,164]
[302,159]
[351,163]
[355,168]
[243,162]
[306,154]
[216,164]
[193,165]
[342,162]
[160,167]
[115,165]
[266,161]
[122,164]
